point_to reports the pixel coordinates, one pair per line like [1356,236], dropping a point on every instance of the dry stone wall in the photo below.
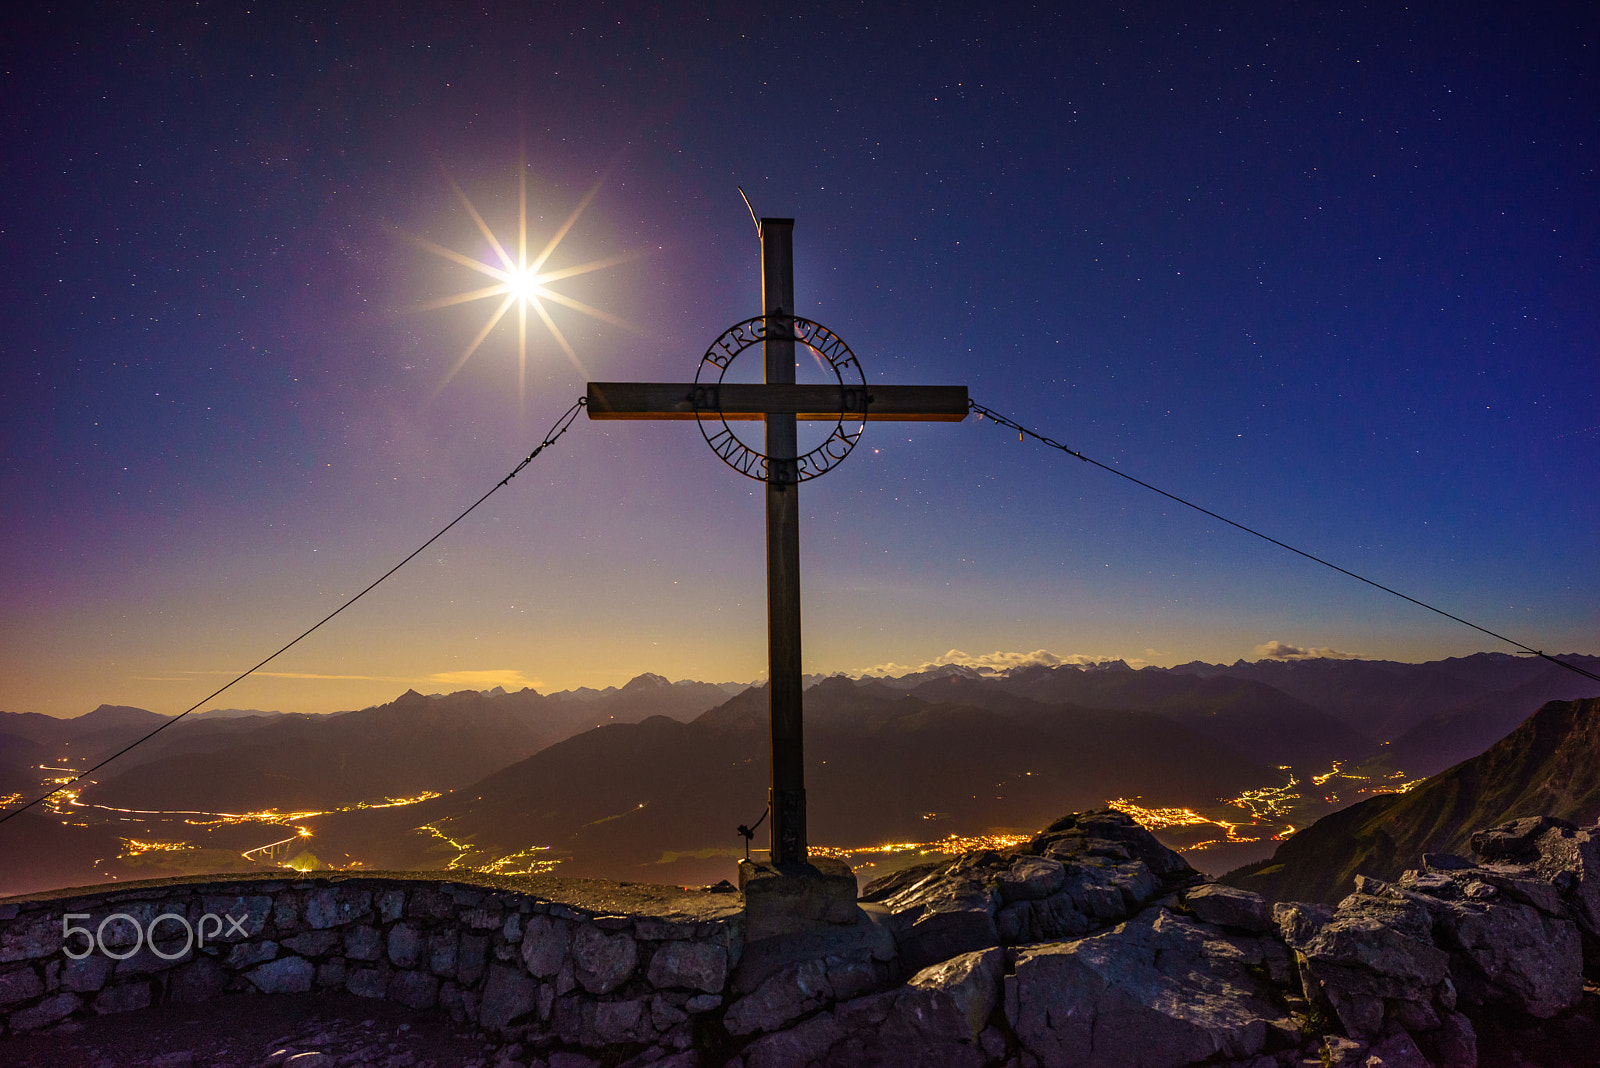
[591,965]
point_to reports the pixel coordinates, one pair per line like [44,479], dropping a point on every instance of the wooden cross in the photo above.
[780,402]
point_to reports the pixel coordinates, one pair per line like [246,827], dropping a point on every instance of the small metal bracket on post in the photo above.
[749,832]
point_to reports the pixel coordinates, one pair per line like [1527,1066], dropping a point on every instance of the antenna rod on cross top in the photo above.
[788,791]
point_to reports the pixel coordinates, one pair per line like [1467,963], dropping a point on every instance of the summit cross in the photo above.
[780,402]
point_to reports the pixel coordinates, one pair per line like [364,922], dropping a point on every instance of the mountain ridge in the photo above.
[1550,765]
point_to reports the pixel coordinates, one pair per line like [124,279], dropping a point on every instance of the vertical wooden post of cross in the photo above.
[787,796]
[791,890]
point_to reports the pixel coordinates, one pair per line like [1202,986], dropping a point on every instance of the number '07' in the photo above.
[96,937]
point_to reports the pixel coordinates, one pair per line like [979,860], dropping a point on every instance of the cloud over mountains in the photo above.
[1276,650]
[988,663]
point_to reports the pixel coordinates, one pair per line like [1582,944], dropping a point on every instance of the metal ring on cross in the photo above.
[851,406]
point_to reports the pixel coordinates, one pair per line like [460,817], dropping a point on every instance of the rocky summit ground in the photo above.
[1089,946]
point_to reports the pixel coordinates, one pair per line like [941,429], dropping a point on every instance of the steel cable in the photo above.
[557,429]
[1022,431]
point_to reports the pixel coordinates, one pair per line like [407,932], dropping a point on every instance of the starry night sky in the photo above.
[1330,273]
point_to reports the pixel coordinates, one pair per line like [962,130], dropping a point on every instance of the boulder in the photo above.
[948,912]
[785,996]
[1087,872]
[1514,841]
[953,999]
[1569,859]
[1158,990]
[1030,878]
[933,1021]
[1229,907]
[1508,935]
[1374,961]
[1116,835]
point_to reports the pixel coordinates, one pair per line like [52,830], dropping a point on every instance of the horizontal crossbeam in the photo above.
[687,400]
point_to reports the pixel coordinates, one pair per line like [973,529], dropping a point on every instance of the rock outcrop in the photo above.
[1090,945]
[1085,872]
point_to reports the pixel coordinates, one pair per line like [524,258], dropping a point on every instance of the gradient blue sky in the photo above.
[1329,272]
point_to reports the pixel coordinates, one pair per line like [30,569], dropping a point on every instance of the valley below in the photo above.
[653,781]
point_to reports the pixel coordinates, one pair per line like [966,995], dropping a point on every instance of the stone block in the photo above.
[508,995]
[470,959]
[689,966]
[405,945]
[622,1021]
[1158,990]
[312,943]
[416,989]
[199,980]
[430,903]
[463,895]
[788,994]
[703,1003]
[367,982]
[783,899]
[391,905]
[664,931]
[544,945]
[53,1008]
[115,933]
[332,974]
[286,912]
[568,1059]
[938,935]
[442,953]
[241,916]
[666,1010]
[245,954]
[955,997]
[1515,840]
[31,940]
[86,975]
[328,906]
[286,975]
[123,998]
[363,943]
[813,1041]
[602,962]
[21,984]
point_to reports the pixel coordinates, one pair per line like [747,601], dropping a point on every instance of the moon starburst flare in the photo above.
[521,283]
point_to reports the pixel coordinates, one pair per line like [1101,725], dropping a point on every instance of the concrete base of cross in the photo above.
[784,899]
